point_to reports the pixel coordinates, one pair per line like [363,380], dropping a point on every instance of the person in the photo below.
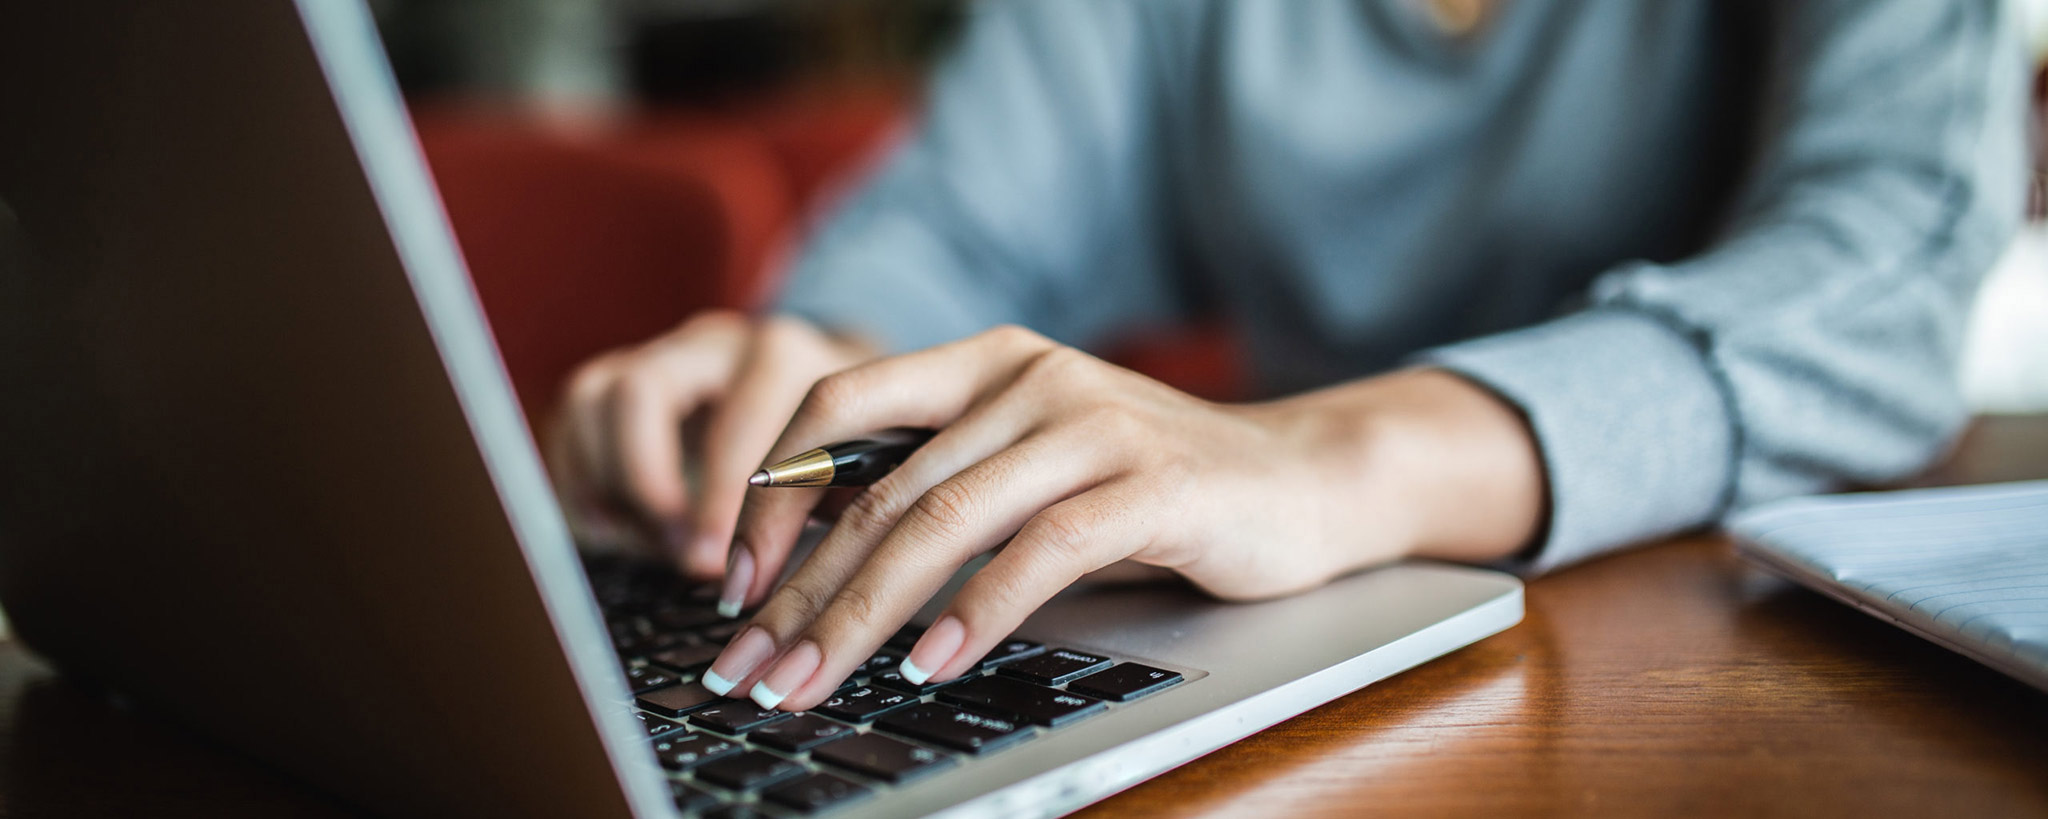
[1524,281]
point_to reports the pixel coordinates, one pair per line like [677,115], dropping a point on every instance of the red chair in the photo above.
[580,244]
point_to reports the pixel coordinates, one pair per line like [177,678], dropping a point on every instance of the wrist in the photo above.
[1428,462]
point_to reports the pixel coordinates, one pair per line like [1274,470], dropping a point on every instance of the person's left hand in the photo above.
[1067,464]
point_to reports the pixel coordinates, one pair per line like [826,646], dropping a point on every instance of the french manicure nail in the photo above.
[791,672]
[739,576]
[747,652]
[933,650]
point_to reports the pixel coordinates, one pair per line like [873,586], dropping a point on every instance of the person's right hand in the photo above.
[617,450]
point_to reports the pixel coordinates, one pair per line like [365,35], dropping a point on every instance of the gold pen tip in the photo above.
[760,478]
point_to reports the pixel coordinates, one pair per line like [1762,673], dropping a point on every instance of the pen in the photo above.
[858,462]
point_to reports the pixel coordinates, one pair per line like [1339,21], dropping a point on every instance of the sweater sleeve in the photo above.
[1815,343]
[1025,195]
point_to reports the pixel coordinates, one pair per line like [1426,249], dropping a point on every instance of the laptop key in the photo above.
[690,797]
[748,770]
[643,647]
[953,728]
[864,703]
[626,630]
[656,726]
[688,750]
[906,637]
[1125,682]
[894,680]
[1021,701]
[678,700]
[645,678]
[687,659]
[1008,650]
[885,758]
[883,662]
[720,633]
[676,618]
[801,733]
[733,812]
[816,792]
[1056,666]
[736,717]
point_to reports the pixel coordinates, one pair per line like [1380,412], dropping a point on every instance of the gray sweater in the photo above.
[1717,252]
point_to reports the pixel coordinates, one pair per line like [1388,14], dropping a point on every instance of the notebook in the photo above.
[1964,566]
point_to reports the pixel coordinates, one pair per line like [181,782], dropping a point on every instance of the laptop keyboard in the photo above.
[729,758]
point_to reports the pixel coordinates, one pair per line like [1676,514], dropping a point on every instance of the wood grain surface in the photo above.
[1670,680]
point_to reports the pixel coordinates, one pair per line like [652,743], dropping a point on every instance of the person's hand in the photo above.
[1066,464]
[617,450]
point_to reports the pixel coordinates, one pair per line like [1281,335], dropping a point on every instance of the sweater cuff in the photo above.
[1634,427]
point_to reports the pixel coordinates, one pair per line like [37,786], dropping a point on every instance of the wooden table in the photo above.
[1669,680]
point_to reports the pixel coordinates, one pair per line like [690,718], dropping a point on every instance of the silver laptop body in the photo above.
[261,470]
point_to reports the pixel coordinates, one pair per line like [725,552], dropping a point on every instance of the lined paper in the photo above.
[1966,566]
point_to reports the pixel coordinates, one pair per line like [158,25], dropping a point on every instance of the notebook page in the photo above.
[1966,564]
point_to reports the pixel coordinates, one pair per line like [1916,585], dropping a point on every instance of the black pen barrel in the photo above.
[864,461]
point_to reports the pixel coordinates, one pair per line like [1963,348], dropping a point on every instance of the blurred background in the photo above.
[611,165]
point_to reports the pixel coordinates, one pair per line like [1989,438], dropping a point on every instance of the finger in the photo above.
[655,391]
[839,555]
[579,456]
[930,388]
[957,519]
[981,432]
[1053,549]
[779,366]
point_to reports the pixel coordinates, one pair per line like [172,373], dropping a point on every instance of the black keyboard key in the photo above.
[864,703]
[802,733]
[883,662]
[690,797]
[736,717]
[675,701]
[1021,701]
[905,637]
[816,792]
[721,633]
[626,631]
[649,645]
[953,728]
[656,726]
[687,659]
[1056,666]
[645,678]
[733,812]
[689,750]
[683,618]
[1008,650]
[885,758]
[748,770]
[894,680]
[1125,682]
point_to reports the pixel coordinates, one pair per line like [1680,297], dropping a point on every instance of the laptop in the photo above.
[264,475]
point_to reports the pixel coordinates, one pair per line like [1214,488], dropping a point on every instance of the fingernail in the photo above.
[739,576]
[747,652]
[933,650]
[794,670]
